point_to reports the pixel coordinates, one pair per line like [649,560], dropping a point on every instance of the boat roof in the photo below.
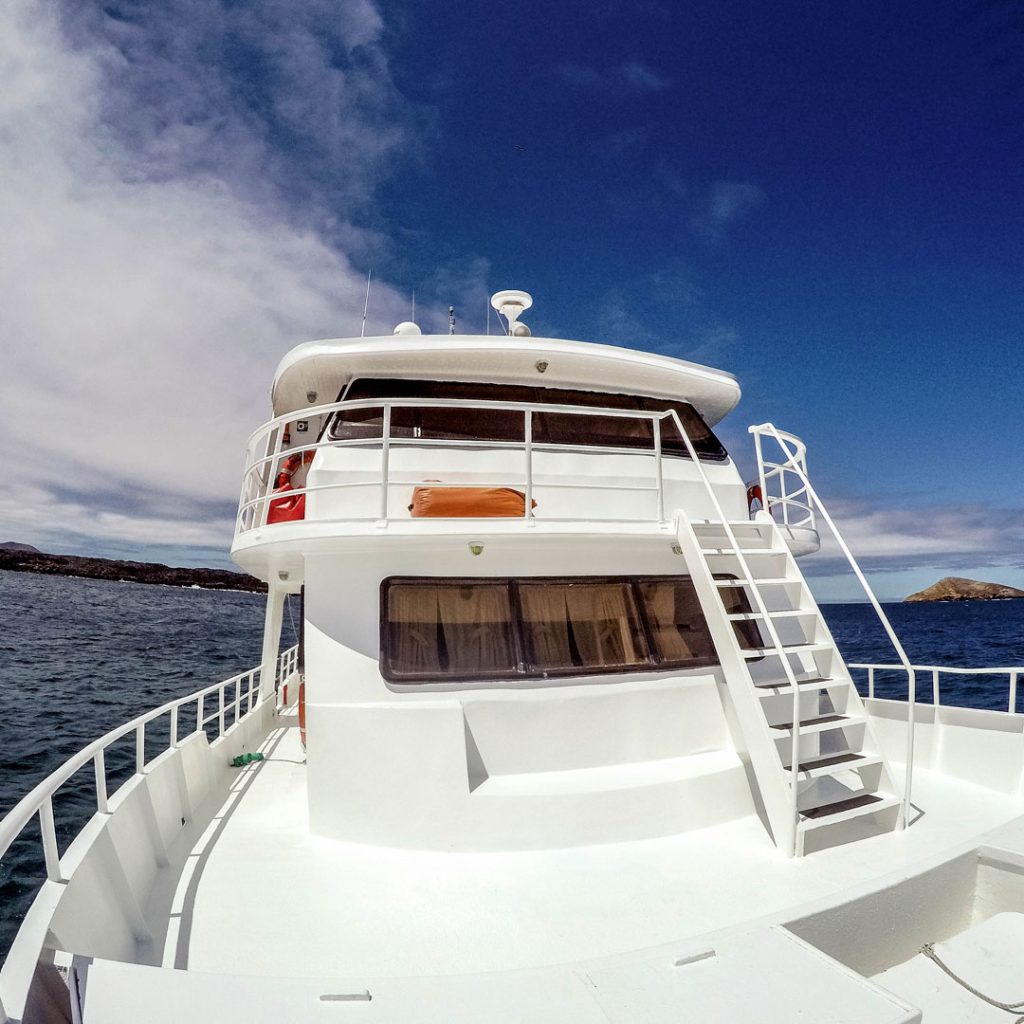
[323,368]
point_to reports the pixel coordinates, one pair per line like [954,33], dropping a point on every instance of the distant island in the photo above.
[15,557]
[956,588]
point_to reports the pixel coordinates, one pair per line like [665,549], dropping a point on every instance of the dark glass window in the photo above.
[676,622]
[504,426]
[576,628]
[449,630]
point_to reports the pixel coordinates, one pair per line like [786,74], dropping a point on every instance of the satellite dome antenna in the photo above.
[510,304]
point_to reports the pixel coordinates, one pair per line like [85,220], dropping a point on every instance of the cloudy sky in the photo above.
[822,198]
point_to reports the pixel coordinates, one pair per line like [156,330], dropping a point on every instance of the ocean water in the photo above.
[79,657]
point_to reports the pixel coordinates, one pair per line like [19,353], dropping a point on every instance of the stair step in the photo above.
[822,723]
[767,581]
[844,810]
[722,549]
[806,648]
[818,683]
[832,764]
[789,613]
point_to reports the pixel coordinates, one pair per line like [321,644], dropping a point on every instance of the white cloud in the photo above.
[632,77]
[153,269]
[937,535]
[726,203]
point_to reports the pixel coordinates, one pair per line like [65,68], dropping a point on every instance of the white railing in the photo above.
[287,665]
[1012,674]
[793,462]
[222,705]
[782,488]
[266,453]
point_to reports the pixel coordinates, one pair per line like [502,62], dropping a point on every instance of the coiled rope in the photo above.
[929,951]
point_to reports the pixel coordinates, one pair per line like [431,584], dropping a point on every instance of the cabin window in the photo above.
[505,426]
[441,631]
[448,631]
[578,628]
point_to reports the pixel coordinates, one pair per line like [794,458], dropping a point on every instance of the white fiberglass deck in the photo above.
[260,896]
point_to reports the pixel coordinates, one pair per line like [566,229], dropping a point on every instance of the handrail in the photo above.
[793,462]
[39,801]
[766,619]
[265,451]
[785,500]
[1013,672]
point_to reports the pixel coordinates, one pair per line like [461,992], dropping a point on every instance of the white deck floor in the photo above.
[261,896]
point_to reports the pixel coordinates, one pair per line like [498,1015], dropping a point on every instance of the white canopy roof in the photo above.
[323,368]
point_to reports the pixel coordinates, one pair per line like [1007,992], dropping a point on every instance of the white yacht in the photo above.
[566,737]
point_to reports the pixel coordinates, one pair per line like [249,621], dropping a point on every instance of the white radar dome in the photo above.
[408,327]
[510,303]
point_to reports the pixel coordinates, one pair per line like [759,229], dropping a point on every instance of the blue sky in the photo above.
[822,198]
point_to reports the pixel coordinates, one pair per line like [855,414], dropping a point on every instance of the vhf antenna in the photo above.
[366,303]
[451,319]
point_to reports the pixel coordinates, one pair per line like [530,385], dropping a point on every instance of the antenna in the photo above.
[488,317]
[413,317]
[451,319]
[366,303]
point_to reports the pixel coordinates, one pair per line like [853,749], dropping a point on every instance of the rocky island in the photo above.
[956,588]
[16,557]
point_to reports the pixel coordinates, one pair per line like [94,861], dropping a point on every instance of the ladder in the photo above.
[800,722]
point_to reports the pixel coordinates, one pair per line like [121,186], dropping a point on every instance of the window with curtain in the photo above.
[433,631]
[437,630]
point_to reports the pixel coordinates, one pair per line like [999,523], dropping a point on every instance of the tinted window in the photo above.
[501,425]
[448,630]
[578,628]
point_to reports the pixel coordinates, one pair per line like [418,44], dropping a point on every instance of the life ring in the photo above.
[289,466]
[754,494]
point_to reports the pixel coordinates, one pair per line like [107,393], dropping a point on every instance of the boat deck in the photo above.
[261,896]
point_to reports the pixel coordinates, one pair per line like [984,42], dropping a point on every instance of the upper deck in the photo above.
[592,437]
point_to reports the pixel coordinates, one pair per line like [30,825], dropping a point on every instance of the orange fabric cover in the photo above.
[473,502]
[286,510]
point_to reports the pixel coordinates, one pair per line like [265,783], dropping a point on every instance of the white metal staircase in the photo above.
[811,751]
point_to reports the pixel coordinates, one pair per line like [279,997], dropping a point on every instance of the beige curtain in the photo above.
[602,624]
[476,624]
[412,630]
[677,621]
[546,620]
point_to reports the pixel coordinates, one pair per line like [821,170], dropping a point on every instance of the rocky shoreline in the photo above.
[21,558]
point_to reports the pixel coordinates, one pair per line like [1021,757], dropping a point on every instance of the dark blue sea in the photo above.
[79,657]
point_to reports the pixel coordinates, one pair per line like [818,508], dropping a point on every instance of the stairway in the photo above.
[771,638]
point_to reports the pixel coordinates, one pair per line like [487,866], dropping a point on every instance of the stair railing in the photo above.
[791,844]
[792,462]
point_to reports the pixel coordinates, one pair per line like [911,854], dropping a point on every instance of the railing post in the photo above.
[49,835]
[528,452]
[174,726]
[99,765]
[385,463]
[761,479]
[220,709]
[871,683]
[140,747]
[1013,693]
[200,708]
[935,687]
[658,469]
